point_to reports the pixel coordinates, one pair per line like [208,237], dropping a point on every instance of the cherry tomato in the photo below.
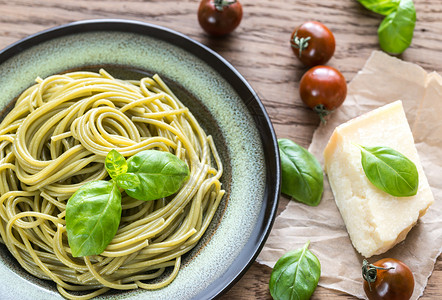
[219,17]
[390,279]
[313,43]
[323,89]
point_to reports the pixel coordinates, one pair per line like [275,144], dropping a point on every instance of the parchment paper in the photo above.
[383,79]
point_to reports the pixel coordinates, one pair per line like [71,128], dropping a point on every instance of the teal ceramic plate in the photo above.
[221,100]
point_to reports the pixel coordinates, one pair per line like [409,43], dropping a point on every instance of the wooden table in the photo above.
[259,49]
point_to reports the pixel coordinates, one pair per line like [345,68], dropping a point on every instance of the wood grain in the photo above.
[259,49]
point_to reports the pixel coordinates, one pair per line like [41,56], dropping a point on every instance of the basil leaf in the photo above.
[396,30]
[390,171]
[161,174]
[302,176]
[383,7]
[115,163]
[295,275]
[127,181]
[93,215]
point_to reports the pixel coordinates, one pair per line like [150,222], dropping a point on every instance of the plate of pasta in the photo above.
[134,162]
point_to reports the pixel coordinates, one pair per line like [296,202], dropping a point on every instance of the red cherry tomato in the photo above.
[219,17]
[323,89]
[390,279]
[313,43]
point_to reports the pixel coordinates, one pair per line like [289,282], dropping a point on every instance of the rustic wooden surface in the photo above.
[259,49]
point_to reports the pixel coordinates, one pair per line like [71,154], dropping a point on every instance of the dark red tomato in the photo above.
[219,17]
[390,279]
[313,43]
[323,89]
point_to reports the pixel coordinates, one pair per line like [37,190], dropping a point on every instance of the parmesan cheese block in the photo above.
[375,220]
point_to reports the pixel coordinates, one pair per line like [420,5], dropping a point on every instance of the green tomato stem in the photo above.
[322,112]
[300,43]
[219,4]
[370,272]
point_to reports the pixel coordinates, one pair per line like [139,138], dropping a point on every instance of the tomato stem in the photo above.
[322,112]
[219,4]
[300,43]
[370,272]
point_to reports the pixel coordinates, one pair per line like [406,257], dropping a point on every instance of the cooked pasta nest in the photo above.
[55,140]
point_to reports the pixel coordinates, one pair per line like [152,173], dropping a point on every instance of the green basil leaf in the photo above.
[383,7]
[396,30]
[295,275]
[302,176]
[390,171]
[161,174]
[127,181]
[115,163]
[93,215]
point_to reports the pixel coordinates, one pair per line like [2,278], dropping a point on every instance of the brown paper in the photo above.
[383,79]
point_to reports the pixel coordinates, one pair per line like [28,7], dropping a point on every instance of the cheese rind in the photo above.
[375,220]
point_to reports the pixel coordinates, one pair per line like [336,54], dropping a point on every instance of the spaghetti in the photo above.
[55,140]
